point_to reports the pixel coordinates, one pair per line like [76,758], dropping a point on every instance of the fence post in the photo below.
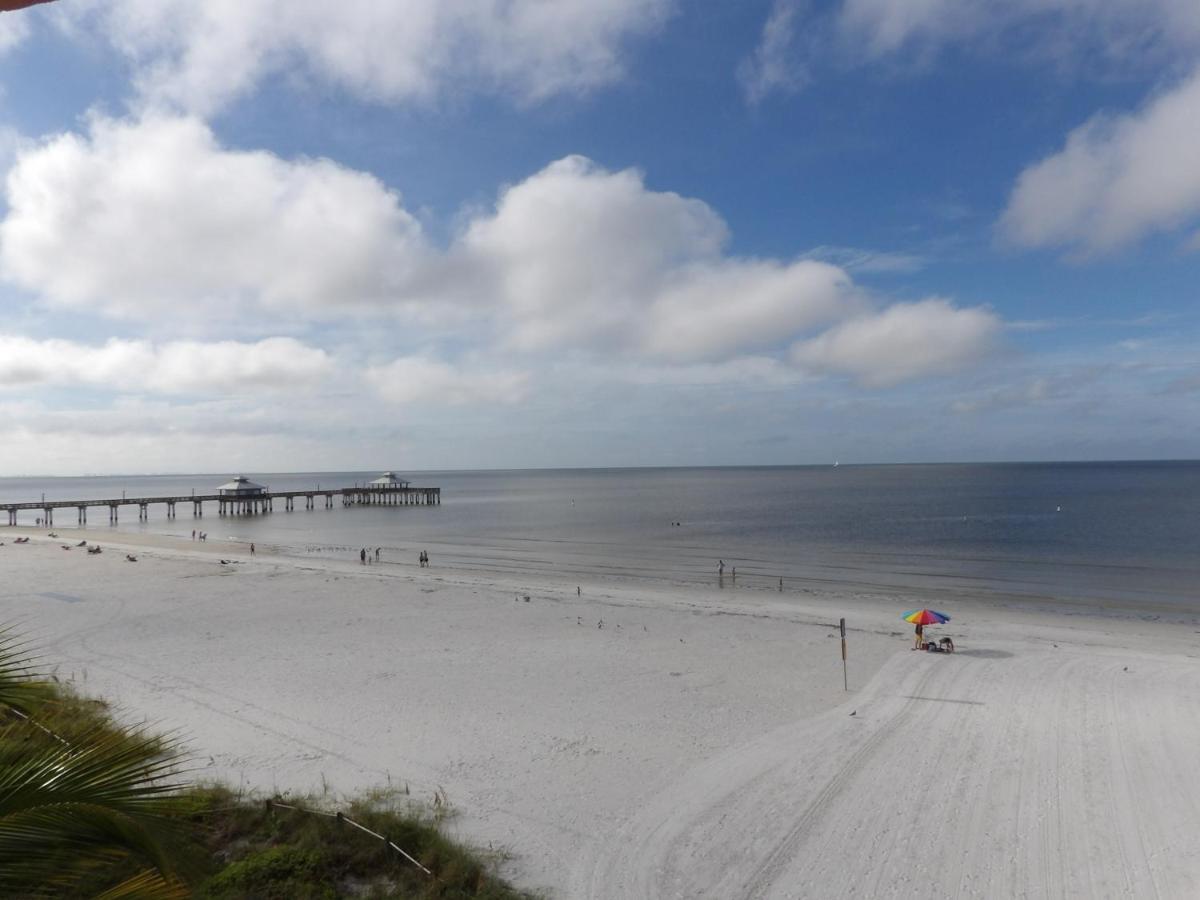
[845,677]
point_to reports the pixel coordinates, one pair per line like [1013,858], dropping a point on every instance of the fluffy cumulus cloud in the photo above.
[153,216]
[151,219]
[1116,180]
[901,343]
[419,379]
[198,56]
[577,255]
[174,367]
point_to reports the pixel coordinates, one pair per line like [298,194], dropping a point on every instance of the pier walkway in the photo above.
[249,504]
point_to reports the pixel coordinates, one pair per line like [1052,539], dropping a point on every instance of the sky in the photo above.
[297,235]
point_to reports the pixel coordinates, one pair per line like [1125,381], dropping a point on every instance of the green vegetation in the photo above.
[89,808]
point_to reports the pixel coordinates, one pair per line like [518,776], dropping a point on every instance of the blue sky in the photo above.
[268,235]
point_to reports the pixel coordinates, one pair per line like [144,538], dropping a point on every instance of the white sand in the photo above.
[698,745]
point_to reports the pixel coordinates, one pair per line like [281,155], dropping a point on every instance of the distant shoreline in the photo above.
[224,473]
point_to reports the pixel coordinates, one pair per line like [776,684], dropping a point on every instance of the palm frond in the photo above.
[100,799]
[148,884]
[21,685]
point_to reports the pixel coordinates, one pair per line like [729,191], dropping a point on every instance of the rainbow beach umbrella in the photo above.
[925,617]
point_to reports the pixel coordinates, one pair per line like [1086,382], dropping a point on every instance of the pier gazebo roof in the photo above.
[389,479]
[240,486]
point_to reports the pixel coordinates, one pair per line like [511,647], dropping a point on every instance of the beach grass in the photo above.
[91,808]
[267,849]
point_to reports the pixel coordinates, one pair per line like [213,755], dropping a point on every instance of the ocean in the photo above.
[1118,533]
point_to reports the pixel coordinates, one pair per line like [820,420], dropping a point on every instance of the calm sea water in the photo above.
[1123,532]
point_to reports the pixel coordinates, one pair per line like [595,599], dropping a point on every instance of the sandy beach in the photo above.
[643,739]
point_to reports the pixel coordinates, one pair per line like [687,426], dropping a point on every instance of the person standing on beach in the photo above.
[920,637]
[377,549]
[362,556]
[251,548]
[721,568]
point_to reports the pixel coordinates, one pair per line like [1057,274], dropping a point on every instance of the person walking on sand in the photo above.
[920,640]
[377,549]
[362,556]
[721,568]
[193,534]
[252,548]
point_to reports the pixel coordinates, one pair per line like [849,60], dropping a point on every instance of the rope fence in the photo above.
[36,724]
[343,818]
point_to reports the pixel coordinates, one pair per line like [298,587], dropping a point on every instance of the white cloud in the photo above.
[773,65]
[153,216]
[1116,180]
[858,259]
[1123,33]
[171,368]
[169,435]
[579,256]
[1117,27]
[418,379]
[766,371]
[734,306]
[152,220]
[575,251]
[200,56]
[13,30]
[902,343]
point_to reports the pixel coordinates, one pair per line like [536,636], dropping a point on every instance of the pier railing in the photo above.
[238,504]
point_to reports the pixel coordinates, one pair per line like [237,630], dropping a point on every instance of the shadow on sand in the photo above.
[984,654]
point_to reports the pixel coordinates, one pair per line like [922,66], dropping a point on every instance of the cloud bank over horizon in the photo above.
[161,223]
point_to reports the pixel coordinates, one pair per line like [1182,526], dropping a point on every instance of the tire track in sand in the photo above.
[786,849]
[694,839]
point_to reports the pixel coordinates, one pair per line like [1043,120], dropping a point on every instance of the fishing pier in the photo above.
[242,497]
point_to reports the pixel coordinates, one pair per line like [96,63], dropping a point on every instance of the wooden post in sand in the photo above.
[845,677]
